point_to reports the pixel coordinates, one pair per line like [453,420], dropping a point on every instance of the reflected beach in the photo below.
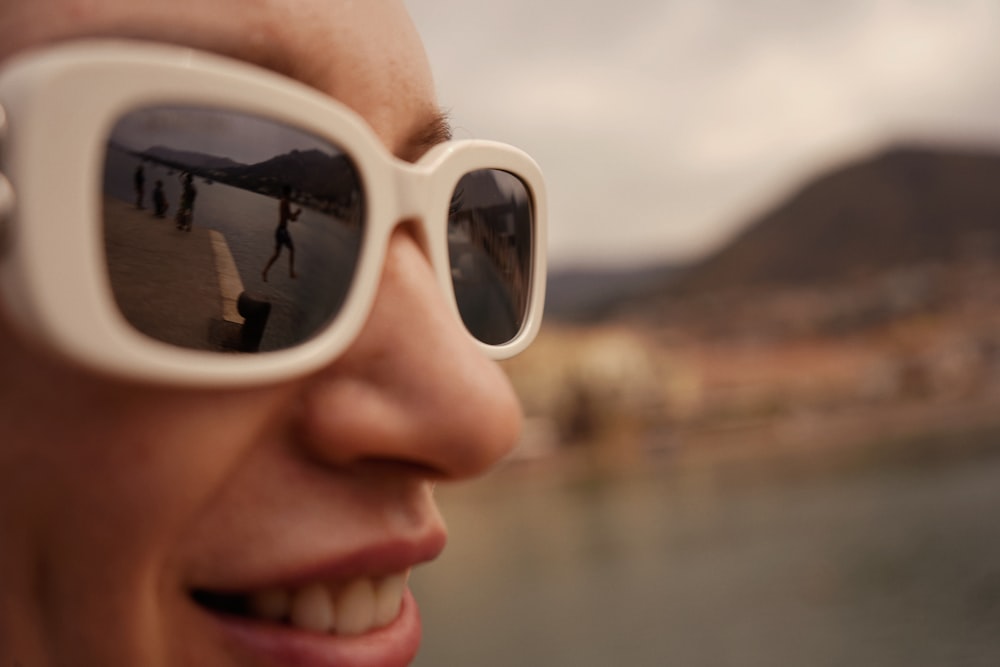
[179,282]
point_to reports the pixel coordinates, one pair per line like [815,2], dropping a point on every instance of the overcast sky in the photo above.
[245,139]
[661,125]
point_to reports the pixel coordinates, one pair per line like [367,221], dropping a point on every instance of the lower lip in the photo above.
[394,645]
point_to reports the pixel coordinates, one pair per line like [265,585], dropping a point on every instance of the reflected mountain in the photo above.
[317,179]
[186,160]
[313,171]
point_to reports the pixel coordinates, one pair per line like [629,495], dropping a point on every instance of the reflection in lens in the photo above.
[490,241]
[226,231]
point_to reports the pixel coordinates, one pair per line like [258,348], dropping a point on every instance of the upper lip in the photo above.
[388,556]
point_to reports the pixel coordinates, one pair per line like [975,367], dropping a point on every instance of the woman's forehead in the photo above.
[365,54]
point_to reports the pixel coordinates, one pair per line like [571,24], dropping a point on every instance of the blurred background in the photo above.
[764,409]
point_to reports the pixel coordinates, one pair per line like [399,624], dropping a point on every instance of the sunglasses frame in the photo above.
[57,108]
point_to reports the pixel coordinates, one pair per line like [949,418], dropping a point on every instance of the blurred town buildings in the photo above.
[866,307]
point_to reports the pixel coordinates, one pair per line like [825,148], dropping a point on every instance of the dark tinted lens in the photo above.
[226,231]
[491,241]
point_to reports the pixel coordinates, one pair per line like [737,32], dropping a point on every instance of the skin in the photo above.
[117,499]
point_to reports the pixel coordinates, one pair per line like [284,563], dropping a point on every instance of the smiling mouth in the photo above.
[349,608]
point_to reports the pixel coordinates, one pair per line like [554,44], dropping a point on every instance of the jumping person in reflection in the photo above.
[186,211]
[281,235]
[160,205]
[139,181]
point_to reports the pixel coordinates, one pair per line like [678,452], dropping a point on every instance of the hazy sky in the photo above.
[662,125]
[245,139]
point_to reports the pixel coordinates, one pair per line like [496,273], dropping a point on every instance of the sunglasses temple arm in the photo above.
[6,191]
[6,209]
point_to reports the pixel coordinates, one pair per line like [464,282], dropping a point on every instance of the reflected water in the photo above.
[884,560]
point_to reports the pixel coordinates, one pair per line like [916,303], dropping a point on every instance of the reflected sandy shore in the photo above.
[181,285]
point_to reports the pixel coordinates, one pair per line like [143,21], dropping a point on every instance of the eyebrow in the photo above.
[436,130]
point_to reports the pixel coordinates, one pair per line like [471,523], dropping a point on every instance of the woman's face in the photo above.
[134,519]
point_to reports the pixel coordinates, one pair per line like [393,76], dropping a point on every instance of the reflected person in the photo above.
[282,237]
[185,211]
[160,204]
[139,184]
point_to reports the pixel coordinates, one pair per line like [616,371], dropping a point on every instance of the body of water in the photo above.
[892,563]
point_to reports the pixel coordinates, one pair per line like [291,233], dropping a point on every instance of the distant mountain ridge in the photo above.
[903,206]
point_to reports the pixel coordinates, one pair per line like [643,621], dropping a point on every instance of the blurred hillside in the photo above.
[865,306]
[586,296]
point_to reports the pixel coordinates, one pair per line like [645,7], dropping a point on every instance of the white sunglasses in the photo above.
[156,201]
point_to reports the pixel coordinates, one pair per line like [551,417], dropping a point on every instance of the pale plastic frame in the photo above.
[60,104]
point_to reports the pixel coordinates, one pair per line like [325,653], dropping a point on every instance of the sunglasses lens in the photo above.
[491,244]
[226,231]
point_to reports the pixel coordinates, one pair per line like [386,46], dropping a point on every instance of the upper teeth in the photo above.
[352,609]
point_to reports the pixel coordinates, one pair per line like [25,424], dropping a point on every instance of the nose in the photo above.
[413,388]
